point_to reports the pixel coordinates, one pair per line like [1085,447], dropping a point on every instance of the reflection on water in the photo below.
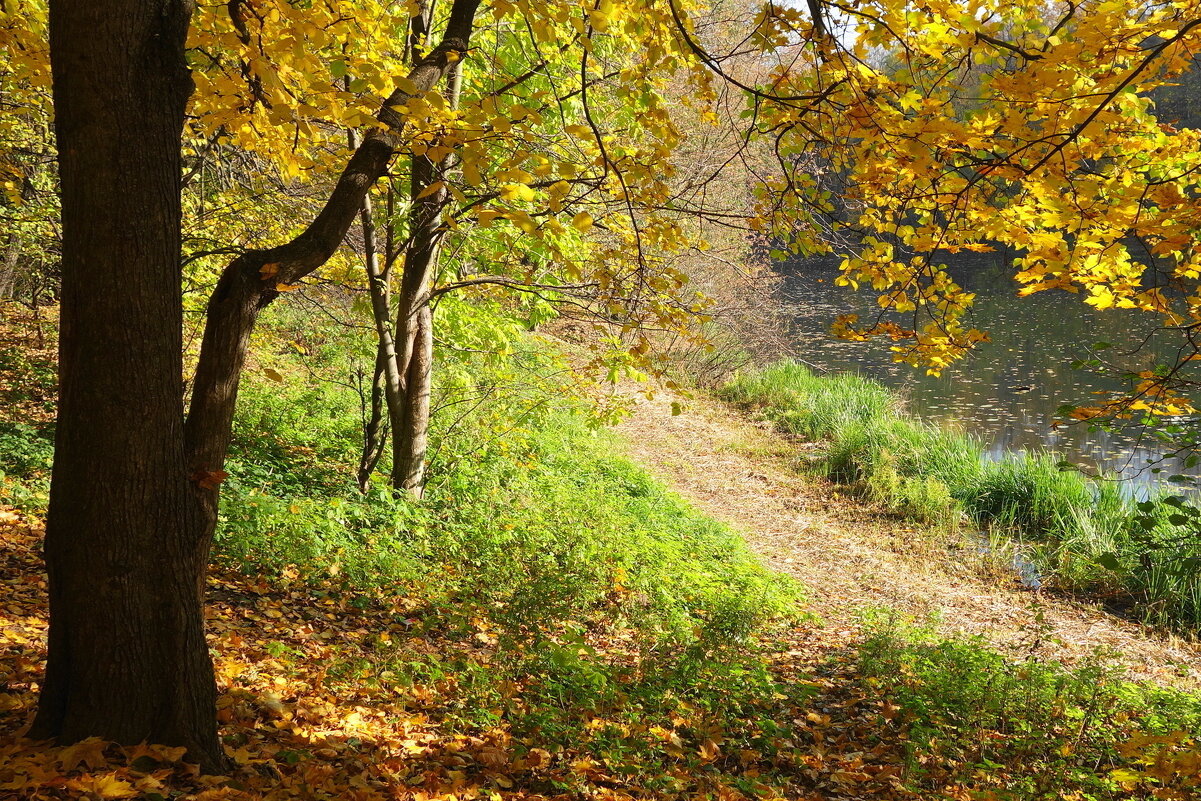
[1008,392]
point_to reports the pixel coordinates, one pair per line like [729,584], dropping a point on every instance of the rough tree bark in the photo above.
[125,544]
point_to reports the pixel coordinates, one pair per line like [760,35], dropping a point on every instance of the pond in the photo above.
[1008,392]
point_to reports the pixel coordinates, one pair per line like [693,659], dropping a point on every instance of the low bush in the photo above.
[26,453]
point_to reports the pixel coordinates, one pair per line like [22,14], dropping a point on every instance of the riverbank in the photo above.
[857,556]
[1083,536]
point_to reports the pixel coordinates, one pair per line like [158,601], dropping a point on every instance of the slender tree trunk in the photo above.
[8,270]
[125,545]
[385,385]
[415,320]
[414,332]
[375,424]
[11,267]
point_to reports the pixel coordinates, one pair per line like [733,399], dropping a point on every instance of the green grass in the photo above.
[1083,534]
[549,531]
[531,514]
[1018,726]
[807,405]
[539,558]
[599,594]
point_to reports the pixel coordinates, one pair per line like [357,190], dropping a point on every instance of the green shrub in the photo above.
[26,454]
[25,451]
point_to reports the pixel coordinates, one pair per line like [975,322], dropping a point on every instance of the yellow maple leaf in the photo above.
[105,786]
[511,192]
[582,221]
[89,753]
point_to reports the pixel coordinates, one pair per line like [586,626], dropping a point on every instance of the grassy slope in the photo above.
[550,623]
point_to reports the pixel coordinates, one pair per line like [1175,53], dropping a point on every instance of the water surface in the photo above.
[1006,394]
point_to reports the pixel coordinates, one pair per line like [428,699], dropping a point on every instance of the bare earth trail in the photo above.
[853,557]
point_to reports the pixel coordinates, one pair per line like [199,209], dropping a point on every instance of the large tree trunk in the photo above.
[125,544]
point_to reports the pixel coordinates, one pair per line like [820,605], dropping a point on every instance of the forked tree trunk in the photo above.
[125,542]
[414,343]
[414,332]
[249,282]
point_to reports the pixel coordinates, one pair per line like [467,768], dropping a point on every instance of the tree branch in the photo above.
[250,281]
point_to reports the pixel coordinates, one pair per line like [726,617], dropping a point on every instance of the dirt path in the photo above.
[853,558]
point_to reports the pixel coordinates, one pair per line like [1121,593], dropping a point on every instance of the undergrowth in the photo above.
[1023,727]
[1083,534]
[550,622]
[530,515]
[592,588]
[27,388]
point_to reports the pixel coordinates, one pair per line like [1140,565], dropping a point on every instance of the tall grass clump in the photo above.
[1031,493]
[1157,555]
[915,469]
[807,405]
